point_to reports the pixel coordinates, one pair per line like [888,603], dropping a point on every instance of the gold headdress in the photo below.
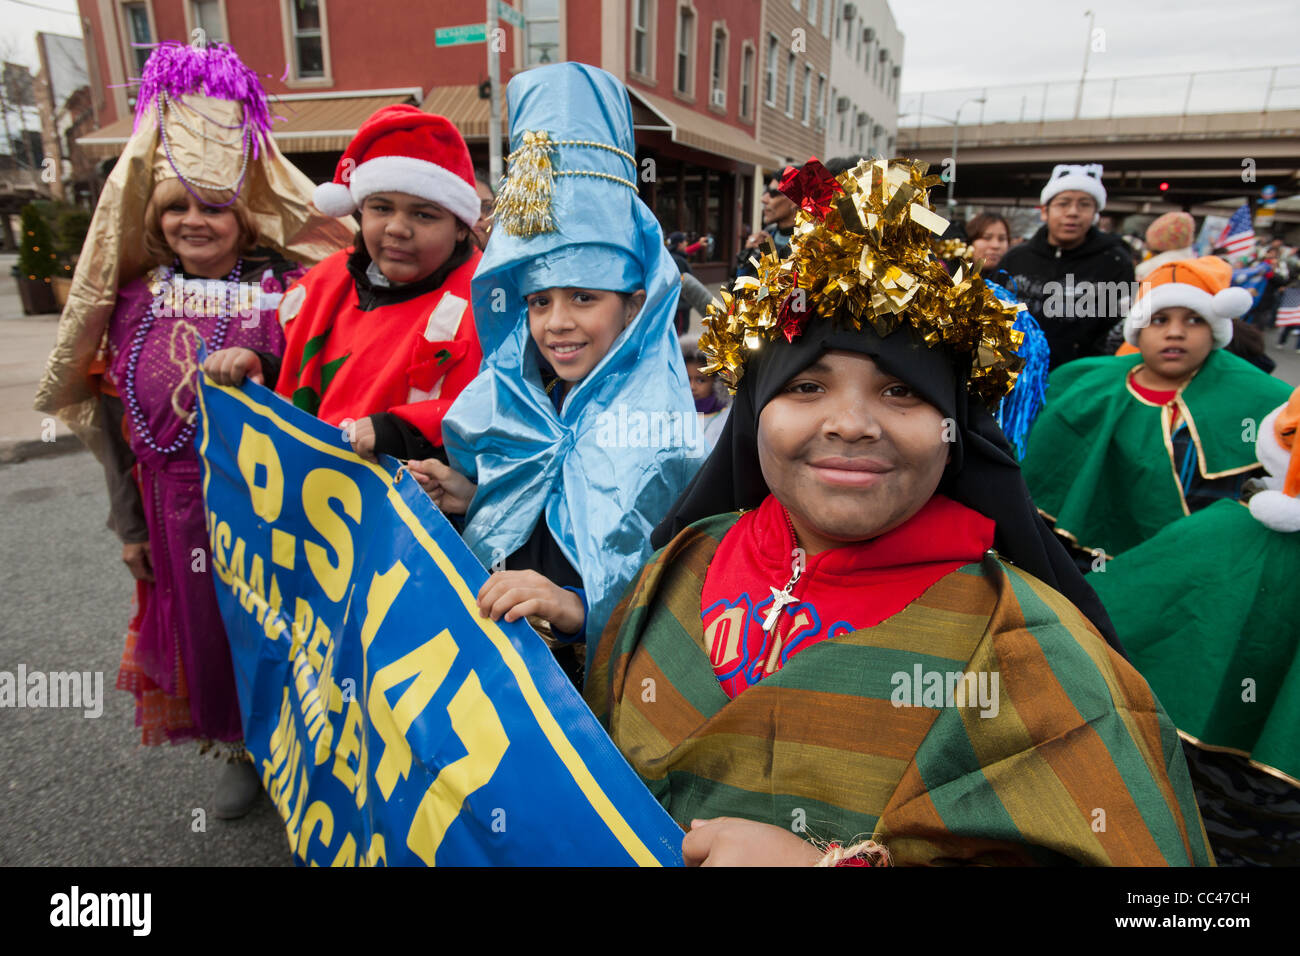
[863,248]
[203,118]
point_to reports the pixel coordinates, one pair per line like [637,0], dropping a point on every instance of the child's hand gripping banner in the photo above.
[389,722]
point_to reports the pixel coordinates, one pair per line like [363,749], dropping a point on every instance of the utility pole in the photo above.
[952,181]
[1087,48]
[494,101]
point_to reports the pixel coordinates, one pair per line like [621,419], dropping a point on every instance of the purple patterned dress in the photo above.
[177,660]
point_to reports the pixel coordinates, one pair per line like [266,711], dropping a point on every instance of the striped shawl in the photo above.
[1077,763]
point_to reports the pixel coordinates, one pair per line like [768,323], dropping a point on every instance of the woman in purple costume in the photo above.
[214,285]
[191,240]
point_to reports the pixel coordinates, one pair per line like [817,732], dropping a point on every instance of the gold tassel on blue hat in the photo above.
[523,207]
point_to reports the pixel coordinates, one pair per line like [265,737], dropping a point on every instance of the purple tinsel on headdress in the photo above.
[177,70]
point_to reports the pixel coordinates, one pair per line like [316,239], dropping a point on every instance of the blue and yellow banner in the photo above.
[389,722]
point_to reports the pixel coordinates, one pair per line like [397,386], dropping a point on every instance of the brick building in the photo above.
[723,91]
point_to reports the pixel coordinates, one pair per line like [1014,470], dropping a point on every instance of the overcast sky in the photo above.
[949,44]
[19,25]
[957,44]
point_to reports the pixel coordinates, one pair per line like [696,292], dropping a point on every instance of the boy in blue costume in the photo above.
[580,430]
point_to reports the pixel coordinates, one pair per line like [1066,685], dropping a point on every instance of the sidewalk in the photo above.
[27,341]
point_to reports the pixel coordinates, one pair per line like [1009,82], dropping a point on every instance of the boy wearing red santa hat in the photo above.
[380,338]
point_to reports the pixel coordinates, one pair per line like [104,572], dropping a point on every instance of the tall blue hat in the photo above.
[605,468]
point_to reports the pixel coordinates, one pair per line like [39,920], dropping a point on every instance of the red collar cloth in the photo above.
[1161,397]
[840,590]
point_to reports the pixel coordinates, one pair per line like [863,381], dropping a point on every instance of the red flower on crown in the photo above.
[811,188]
[794,312]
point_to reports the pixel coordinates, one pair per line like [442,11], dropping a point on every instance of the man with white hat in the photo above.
[1074,278]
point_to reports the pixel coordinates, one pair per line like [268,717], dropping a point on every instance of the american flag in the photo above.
[1288,307]
[1239,234]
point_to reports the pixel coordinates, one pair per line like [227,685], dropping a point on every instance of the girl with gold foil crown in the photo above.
[845,670]
[203,196]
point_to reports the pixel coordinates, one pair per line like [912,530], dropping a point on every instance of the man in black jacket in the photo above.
[1076,280]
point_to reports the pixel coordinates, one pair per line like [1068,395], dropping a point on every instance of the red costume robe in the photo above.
[410,359]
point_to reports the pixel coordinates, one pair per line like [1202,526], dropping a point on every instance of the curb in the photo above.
[11,453]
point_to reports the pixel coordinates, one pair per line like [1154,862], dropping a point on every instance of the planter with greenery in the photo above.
[38,262]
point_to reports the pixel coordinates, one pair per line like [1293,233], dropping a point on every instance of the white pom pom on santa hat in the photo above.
[1232,302]
[334,199]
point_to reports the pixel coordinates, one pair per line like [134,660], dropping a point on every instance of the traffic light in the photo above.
[1164,187]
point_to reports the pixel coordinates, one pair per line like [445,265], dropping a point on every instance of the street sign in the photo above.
[510,14]
[456,36]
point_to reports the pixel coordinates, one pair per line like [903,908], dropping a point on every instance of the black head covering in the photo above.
[982,474]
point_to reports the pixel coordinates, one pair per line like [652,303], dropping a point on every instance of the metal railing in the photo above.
[1257,89]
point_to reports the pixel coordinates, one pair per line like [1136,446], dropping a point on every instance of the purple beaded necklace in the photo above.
[138,423]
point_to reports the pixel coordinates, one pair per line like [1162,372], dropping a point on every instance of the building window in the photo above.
[718,68]
[308,39]
[805,105]
[821,100]
[789,85]
[685,47]
[828,14]
[642,24]
[541,32]
[838,18]
[770,71]
[205,15]
[843,115]
[139,34]
[746,80]
[812,12]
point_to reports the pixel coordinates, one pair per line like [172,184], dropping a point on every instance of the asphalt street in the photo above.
[83,791]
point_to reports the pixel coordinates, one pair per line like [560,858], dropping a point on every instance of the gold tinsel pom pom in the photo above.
[523,208]
[871,256]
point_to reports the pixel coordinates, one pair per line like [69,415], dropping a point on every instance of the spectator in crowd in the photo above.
[1170,239]
[676,243]
[778,224]
[1074,278]
[1264,314]
[989,238]
[487,202]
[1248,343]
[711,405]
